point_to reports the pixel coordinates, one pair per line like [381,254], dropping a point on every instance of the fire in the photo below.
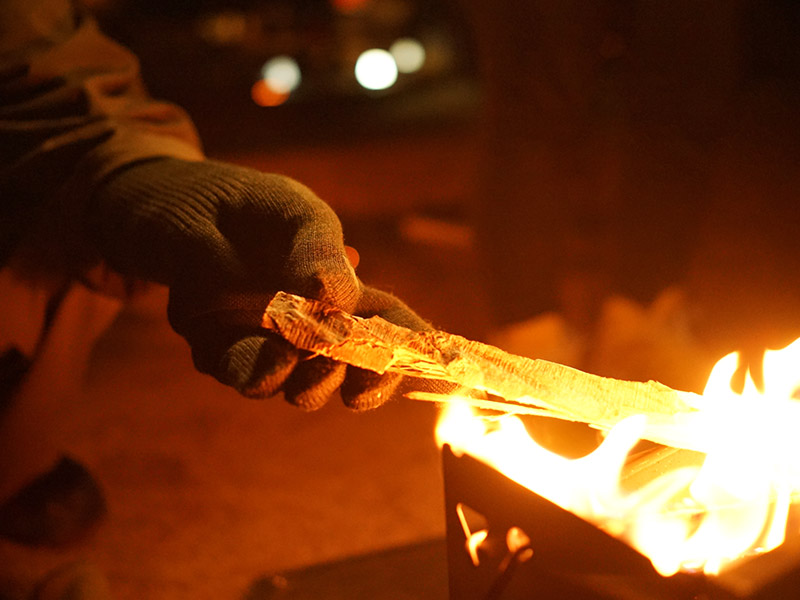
[693,518]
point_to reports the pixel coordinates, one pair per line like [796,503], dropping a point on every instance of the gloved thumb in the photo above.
[365,390]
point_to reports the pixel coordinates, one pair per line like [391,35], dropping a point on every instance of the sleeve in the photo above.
[73,110]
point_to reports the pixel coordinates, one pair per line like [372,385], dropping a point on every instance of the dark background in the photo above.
[590,148]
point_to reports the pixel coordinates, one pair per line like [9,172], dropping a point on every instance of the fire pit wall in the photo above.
[535,549]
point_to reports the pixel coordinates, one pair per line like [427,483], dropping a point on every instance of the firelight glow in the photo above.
[693,518]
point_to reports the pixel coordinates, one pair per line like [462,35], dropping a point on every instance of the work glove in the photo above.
[225,239]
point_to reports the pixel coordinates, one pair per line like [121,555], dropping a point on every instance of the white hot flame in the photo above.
[692,518]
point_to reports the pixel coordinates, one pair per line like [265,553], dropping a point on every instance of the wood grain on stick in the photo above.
[548,388]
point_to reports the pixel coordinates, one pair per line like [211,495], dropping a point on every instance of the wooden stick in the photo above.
[549,388]
[497,404]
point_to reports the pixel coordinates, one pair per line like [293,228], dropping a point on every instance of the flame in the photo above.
[693,518]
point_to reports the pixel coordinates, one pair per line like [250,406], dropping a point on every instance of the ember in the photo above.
[694,518]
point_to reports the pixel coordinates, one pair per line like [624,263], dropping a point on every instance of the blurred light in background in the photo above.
[409,55]
[281,74]
[299,57]
[224,28]
[376,69]
[348,6]
[263,95]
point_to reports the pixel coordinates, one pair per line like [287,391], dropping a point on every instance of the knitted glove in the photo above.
[225,239]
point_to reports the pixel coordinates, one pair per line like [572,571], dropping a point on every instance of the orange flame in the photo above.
[693,518]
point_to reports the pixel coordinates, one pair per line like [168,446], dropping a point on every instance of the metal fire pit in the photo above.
[563,557]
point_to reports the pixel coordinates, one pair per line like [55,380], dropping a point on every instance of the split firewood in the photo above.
[525,385]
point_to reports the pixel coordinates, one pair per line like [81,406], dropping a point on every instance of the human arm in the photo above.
[112,174]
[73,109]
[225,239]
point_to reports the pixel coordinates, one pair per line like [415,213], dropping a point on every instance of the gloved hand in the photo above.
[225,239]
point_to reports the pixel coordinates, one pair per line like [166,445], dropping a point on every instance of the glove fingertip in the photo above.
[365,390]
[257,367]
[313,382]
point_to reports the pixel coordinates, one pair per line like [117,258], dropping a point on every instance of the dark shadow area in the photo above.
[414,572]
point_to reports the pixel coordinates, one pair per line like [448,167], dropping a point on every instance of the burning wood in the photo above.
[685,511]
[526,385]
[573,559]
